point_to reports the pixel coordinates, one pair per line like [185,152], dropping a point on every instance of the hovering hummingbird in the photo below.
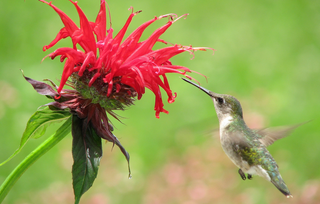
[246,147]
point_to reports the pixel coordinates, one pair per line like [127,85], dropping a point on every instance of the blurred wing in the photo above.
[268,136]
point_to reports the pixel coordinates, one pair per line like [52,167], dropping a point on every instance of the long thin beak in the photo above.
[200,87]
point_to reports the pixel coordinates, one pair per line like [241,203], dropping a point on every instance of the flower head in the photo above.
[112,71]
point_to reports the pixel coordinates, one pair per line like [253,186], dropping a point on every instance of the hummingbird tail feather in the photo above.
[281,186]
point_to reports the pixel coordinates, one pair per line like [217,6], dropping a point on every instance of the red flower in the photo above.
[123,67]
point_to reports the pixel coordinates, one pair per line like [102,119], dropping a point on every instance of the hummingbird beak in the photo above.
[210,93]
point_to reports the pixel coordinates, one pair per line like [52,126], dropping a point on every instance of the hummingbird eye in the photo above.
[220,100]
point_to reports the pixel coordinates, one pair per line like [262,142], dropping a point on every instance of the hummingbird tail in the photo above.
[278,182]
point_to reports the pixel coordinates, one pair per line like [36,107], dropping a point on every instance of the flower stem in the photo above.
[33,156]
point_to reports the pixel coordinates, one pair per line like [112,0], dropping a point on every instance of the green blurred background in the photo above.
[267,55]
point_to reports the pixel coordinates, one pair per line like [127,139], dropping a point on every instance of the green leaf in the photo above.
[37,124]
[87,152]
[44,147]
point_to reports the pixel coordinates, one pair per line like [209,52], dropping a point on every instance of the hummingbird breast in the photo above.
[229,147]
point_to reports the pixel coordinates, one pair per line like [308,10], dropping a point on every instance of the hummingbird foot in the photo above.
[249,176]
[243,176]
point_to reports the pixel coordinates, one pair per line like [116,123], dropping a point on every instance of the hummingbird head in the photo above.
[225,105]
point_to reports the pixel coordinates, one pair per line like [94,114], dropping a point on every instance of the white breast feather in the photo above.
[225,122]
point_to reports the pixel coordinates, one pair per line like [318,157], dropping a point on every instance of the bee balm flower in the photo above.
[112,71]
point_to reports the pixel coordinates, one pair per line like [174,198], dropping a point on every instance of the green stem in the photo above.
[32,157]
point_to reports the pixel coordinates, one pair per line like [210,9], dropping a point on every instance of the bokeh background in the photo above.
[267,55]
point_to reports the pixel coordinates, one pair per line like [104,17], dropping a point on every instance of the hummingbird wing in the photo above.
[268,136]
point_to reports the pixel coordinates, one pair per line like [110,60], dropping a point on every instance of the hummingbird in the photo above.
[245,147]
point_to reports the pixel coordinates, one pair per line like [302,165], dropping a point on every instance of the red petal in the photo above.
[74,57]
[119,36]
[85,37]
[100,26]
[70,26]
[90,59]
[133,83]
[63,33]
[162,55]
[146,46]
[95,76]
[131,43]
